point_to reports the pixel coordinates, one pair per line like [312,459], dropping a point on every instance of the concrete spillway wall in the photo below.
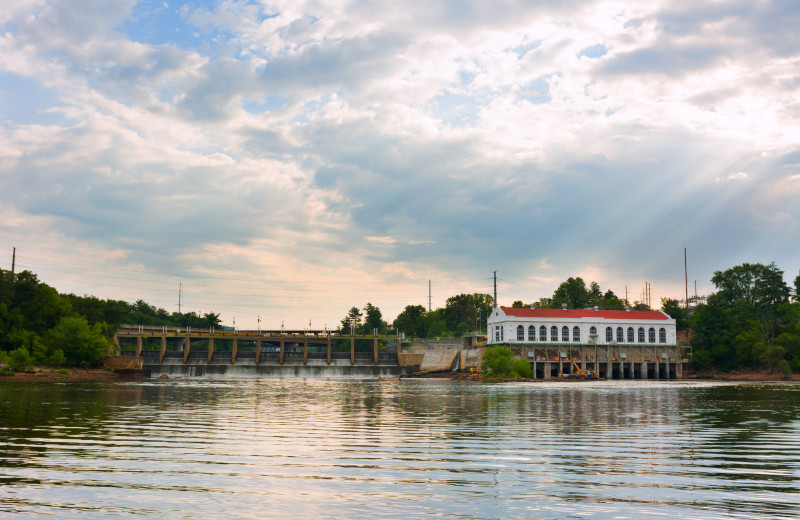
[286,370]
[173,365]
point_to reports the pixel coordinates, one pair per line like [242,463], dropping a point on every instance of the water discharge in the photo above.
[295,448]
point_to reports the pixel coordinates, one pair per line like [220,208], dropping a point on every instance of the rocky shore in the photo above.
[45,374]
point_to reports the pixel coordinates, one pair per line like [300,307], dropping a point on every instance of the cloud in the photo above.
[402,142]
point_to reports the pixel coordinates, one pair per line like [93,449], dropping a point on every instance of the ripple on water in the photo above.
[411,449]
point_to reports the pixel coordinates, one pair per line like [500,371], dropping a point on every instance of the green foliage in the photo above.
[759,285]
[574,293]
[63,371]
[351,321]
[412,321]
[19,359]
[797,288]
[463,312]
[373,320]
[497,361]
[748,322]
[521,368]
[675,311]
[81,343]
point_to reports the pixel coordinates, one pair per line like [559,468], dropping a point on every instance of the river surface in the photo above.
[294,448]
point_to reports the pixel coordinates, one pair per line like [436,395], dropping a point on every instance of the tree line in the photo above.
[39,326]
[752,320]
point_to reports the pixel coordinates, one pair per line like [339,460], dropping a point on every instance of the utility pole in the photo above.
[180,286]
[13,260]
[495,288]
[686,280]
[429,295]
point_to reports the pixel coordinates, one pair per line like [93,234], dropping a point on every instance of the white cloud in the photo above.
[299,137]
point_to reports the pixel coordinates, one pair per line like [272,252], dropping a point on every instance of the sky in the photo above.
[281,162]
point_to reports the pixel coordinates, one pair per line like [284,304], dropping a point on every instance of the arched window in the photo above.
[592,330]
[565,333]
[630,334]
[542,333]
[609,335]
[531,333]
[651,335]
[662,335]
[620,338]
[553,333]
[520,333]
[641,334]
[576,334]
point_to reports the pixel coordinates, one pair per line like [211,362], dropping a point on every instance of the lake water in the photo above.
[292,448]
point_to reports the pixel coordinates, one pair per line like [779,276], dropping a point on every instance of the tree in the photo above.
[463,311]
[373,319]
[353,319]
[797,288]
[573,292]
[675,311]
[81,343]
[411,321]
[595,294]
[760,285]
[518,304]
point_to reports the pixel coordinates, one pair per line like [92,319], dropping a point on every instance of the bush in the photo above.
[783,367]
[19,359]
[497,361]
[63,371]
[521,368]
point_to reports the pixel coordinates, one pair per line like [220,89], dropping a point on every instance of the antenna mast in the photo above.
[495,288]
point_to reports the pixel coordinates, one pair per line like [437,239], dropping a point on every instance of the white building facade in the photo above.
[580,327]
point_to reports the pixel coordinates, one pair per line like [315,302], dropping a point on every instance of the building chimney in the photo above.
[564,306]
[627,309]
[596,308]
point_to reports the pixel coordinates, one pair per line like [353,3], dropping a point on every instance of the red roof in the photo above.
[584,313]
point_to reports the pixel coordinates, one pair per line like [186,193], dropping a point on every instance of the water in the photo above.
[292,448]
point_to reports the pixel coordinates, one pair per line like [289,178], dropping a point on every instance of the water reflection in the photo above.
[412,449]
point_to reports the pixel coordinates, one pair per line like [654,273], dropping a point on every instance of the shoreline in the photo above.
[74,375]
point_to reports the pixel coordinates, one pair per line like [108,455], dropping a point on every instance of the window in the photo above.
[620,339]
[609,335]
[520,333]
[576,334]
[662,335]
[630,334]
[542,333]
[565,333]
[497,332]
[502,333]
[592,330]
[641,334]
[553,333]
[651,335]
[531,333]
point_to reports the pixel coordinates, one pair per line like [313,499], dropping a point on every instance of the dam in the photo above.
[225,353]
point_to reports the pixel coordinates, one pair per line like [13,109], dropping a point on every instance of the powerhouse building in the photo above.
[580,327]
